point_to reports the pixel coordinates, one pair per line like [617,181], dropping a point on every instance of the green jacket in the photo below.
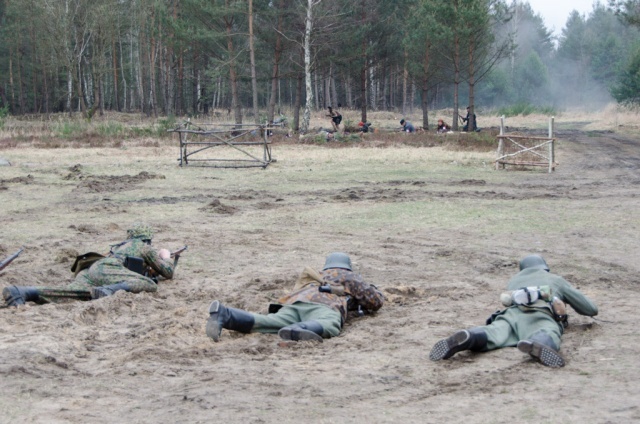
[532,277]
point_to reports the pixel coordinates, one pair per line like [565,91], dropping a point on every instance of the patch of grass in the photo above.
[110,129]
[4,112]
[69,129]
[525,109]
[164,125]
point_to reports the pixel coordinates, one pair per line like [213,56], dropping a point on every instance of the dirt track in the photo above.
[145,357]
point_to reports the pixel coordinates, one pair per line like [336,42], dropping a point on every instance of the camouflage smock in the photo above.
[357,293]
[111,270]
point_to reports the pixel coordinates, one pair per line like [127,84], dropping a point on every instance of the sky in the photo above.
[556,12]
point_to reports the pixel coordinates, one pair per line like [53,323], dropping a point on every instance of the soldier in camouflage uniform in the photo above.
[316,310]
[105,276]
[535,326]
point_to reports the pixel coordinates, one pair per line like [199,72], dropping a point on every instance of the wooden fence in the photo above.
[236,145]
[526,150]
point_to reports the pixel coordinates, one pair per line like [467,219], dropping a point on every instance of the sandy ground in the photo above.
[146,358]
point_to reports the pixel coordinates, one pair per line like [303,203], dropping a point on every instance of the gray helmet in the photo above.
[534,261]
[337,260]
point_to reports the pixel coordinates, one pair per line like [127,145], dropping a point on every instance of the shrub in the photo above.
[525,109]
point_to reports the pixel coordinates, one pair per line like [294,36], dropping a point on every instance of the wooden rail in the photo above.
[543,148]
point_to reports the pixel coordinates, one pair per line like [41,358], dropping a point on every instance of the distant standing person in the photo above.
[466,120]
[407,126]
[336,118]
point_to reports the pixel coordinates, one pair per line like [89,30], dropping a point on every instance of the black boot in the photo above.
[221,317]
[104,291]
[471,339]
[307,330]
[541,346]
[19,295]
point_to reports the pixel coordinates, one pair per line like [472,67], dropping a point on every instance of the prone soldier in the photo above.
[316,309]
[125,268]
[533,321]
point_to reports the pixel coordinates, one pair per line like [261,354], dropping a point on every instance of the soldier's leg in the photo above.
[501,332]
[540,337]
[329,319]
[272,323]
[111,272]
[19,295]
[472,339]
[221,316]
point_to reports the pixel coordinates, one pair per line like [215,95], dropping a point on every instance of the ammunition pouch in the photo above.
[135,264]
[494,316]
[555,307]
[85,261]
[274,307]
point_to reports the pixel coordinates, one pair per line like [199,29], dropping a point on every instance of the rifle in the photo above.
[176,253]
[10,259]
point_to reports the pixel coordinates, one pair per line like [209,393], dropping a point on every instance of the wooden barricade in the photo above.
[237,145]
[524,150]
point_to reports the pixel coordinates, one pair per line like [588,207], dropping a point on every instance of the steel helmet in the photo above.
[337,260]
[140,231]
[534,261]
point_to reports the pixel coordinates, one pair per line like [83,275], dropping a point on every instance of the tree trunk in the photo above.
[456,81]
[297,104]
[252,58]
[425,87]
[12,107]
[153,52]
[363,71]
[277,53]
[405,80]
[471,123]
[180,89]
[233,77]
[334,91]
[116,88]
[306,118]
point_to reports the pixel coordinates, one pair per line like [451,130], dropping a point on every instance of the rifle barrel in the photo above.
[10,259]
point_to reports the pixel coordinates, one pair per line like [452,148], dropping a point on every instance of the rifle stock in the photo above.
[10,259]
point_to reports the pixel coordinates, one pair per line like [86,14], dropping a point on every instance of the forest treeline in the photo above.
[245,57]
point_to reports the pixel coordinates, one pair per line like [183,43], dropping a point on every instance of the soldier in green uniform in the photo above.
[534,322]
[106,275]
[316,309]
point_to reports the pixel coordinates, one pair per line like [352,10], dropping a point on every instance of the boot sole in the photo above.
[299,334]
[446,348]
[542,353]
[213,329]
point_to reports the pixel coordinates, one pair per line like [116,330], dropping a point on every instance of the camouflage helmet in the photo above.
[140,231]
[534,261]
[337,260]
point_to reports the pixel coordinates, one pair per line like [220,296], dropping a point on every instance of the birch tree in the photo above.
[308,26]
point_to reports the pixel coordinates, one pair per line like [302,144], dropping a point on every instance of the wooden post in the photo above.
[500,142]
[551,145]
